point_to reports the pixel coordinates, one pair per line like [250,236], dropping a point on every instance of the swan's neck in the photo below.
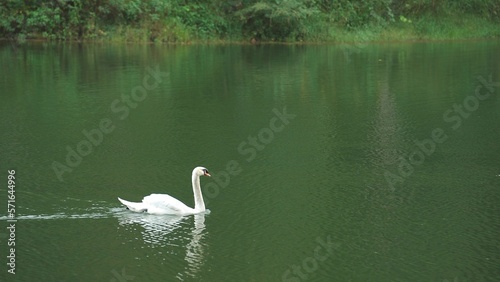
[199,205]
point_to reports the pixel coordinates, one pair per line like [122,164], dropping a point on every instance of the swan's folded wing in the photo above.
[164,204]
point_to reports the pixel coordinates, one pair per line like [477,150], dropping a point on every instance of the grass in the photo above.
[426,28]
[458,27]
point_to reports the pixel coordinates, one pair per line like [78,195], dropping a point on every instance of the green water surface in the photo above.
[329,163]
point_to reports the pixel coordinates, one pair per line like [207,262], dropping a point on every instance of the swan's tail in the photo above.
[136,207]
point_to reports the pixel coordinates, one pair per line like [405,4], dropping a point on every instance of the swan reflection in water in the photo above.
[171,230]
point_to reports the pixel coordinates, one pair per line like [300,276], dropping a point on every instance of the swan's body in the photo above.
[166,204]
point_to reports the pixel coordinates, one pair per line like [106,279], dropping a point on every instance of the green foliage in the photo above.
[12,18]
[356,14]
[484,8]
[201,19]
[266,20]
[280,19]
[404,19]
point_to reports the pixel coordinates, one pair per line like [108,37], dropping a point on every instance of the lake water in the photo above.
[377,162]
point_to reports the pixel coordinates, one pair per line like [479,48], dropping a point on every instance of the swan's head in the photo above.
[201,171]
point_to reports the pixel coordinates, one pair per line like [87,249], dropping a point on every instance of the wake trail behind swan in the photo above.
[84,214]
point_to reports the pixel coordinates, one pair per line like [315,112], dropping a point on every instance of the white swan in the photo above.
[166,204]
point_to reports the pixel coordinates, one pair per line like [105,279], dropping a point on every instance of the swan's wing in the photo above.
[165,204]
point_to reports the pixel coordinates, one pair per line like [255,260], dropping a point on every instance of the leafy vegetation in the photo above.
[276,20]
[256,20]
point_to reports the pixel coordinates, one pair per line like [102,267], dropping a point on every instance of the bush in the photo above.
[276,20]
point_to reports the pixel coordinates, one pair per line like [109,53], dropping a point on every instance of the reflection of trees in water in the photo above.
[168,230]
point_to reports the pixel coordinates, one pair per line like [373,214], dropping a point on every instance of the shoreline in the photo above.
[249,43]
